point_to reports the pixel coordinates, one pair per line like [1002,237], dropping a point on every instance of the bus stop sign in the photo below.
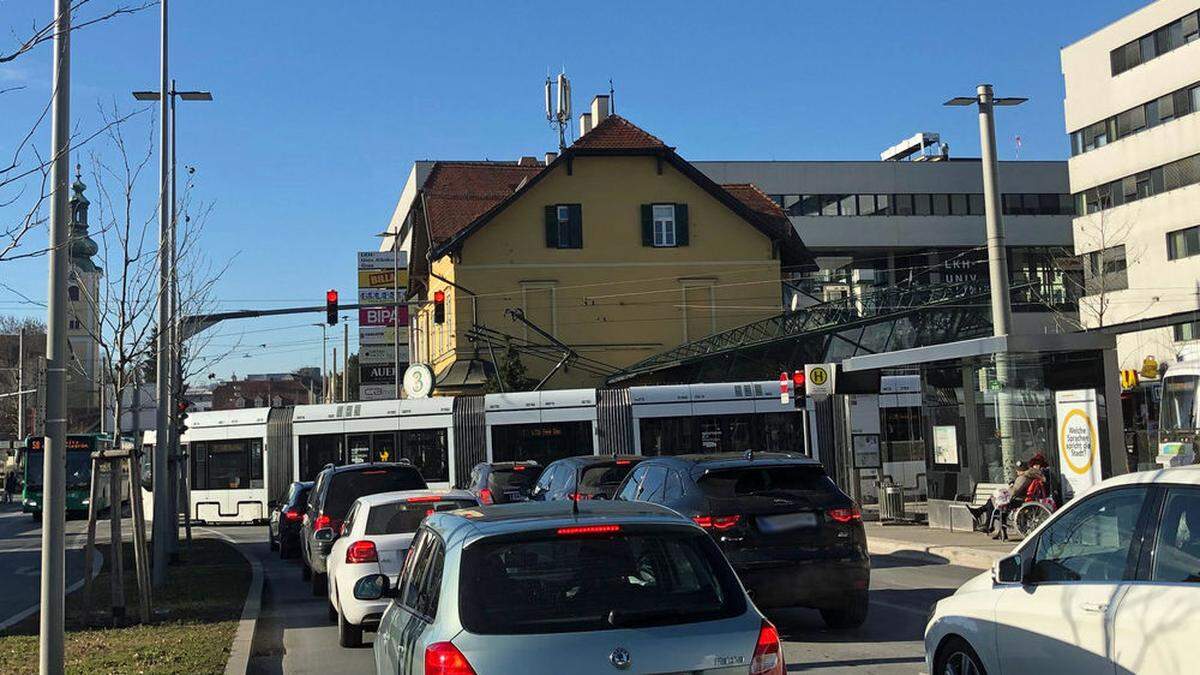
[819,378]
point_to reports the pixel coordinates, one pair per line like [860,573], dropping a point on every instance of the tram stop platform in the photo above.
[937,547]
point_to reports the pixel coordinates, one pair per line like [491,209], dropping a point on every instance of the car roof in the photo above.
[729,460]
[304,483]
[507,465]
[402,495]
[530,516]
[1179,475]
[588,460]
[362,466]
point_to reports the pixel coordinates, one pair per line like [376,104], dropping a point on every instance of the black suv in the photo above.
[583,477]
[503,482]
[283,527]
[795,539]
[333,493]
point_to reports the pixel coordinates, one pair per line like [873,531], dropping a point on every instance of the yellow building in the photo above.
[612,251]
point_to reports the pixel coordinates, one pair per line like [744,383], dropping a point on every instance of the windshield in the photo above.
[559,584]
[520,479]
[79,468]
[347,486]
[765,480]
[603,479]
[1178,408]
[405,517]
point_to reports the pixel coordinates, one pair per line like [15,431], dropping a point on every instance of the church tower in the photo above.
[83,316]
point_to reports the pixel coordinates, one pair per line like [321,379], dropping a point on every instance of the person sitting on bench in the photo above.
[985,515]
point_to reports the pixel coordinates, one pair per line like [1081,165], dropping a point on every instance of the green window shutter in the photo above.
[551,226]
[681,225]
[576,214]
[647,225]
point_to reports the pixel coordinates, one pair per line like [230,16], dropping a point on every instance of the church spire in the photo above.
[83,247]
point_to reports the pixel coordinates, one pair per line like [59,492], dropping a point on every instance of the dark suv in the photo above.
[583,477]
[333,493]
[793,537]
[283,527]
[503,482]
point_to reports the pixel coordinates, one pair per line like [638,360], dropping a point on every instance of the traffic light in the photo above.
[439,307]
[798,387]
[331,307]
[181,416]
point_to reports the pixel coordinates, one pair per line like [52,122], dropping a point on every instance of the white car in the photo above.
[375,538]
[1109,584]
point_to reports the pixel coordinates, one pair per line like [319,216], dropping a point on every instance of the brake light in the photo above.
[768,656]
[623,462]
[443,658]
[485,497]
[720,523]
[376,472]
[362,552]
[324,521]
[846,515]
[518,468]
[579,497]
[429,498]
[292,514]
[588,529]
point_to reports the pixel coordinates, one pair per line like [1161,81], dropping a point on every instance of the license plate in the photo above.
[786,522]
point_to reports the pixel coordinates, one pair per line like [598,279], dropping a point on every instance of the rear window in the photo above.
[762,481]
[560,584]
[603,479]
[405,517]
[521,480]
[347,486]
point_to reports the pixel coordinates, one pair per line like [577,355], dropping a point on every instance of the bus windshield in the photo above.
[79,468]
[1178,408]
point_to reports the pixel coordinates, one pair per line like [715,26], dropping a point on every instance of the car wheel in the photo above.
[318,584]
[851,615]
[331,611]
[305,572]
[957,658]
[349,635]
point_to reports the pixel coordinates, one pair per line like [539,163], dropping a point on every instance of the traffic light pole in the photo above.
[161,528]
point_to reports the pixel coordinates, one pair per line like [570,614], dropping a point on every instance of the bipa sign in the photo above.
[382,316]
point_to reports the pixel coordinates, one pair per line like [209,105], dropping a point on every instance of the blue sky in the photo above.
[321,107]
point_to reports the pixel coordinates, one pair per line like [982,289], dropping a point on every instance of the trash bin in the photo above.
[891,503]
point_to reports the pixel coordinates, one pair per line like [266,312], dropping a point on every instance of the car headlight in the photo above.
[85,502]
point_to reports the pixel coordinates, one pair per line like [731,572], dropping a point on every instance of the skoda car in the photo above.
[581,587]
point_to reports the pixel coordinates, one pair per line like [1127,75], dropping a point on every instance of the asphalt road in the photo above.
[294,635]
[21,560]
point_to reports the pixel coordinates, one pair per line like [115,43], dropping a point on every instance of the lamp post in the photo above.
[173,378]
[324,364]
[997,253]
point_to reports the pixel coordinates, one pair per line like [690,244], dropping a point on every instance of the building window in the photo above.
[1183,243]
[941,204]
[921,205]
[958,205]
[902,205]
[810,205]
[1105,271]
[866,205]
[664,224]
[564,226]
[975,204]
[1185,332]
[1155,44]
[74,324]
[848,205]
[73,293]
[1141,185]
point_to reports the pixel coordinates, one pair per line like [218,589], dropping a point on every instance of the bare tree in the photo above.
[35,350]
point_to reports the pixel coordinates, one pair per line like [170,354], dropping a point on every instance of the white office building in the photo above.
[1132,98]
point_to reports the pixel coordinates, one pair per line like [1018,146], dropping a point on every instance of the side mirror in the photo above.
[1009,570]
[324,535]
[373,587]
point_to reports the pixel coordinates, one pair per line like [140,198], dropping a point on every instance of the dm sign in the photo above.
[1078,439]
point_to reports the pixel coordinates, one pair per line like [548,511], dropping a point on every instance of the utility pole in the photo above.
[324,366]
[21,384]
[173,383]
[161,474]
[345,360]
[333,381]
[51,633]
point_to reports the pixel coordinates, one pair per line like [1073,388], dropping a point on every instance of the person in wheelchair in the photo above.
[1030,483]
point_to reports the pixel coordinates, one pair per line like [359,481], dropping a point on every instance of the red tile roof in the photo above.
[758,201]
[456,193]
[618,133]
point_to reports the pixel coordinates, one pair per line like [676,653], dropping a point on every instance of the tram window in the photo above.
[761,432]
[256,463]
[359,449]
[317,451]
[543,443]
[781,432]
[428,451]
[667,435]
[226,465]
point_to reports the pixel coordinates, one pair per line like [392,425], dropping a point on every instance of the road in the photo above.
[21,560]
[294,635]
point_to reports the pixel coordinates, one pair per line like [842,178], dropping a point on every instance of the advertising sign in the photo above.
[382,316]
[418,380]
[371,296]
[374,260]
[377,392]
[380,335]
[377,373]
[382,279]
[945,444]
[1078,439]
[375,354]
[866,452]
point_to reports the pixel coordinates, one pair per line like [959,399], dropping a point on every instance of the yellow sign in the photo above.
[383,455]
[381,279]
[1077,438]
[1129,379]
[1150,368]
[819,376]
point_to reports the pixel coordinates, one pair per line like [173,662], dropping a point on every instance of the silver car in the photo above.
[579,587]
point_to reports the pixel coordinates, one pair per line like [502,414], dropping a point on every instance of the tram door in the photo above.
[376,447]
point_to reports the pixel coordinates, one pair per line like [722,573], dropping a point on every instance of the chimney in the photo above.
[599,108]
[585,124]
[550,157]
[527,160]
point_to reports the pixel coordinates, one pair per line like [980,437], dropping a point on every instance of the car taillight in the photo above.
[587,529]
[485,496]
[578,496]
[768,655]
[518,468]
[323,521]
[443,658]
[292,514]
[720,523]
[623,462]
[362,552]
[846,515]
[427,498]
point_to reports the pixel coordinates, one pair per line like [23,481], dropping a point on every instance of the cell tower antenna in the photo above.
[558,105]
[612,98]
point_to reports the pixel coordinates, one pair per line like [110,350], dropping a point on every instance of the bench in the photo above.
[960,517]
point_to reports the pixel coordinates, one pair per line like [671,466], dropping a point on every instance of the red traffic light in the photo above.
[331,296]
[439,296]
[798,379]
[439,307]
[331,307]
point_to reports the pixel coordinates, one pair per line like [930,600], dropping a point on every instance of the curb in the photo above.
[964,556]
[239,650]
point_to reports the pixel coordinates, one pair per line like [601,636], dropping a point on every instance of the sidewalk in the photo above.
[968,549]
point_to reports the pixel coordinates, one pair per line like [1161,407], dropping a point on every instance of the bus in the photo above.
[1178,411]
[78,475]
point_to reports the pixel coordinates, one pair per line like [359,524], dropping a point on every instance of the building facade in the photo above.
[1132,113]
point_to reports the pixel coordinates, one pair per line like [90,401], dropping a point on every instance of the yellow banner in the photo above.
[381,279]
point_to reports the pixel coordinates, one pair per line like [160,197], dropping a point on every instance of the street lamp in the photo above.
[173,380]
[997,255]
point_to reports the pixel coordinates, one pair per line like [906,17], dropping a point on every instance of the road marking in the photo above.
[20,616]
